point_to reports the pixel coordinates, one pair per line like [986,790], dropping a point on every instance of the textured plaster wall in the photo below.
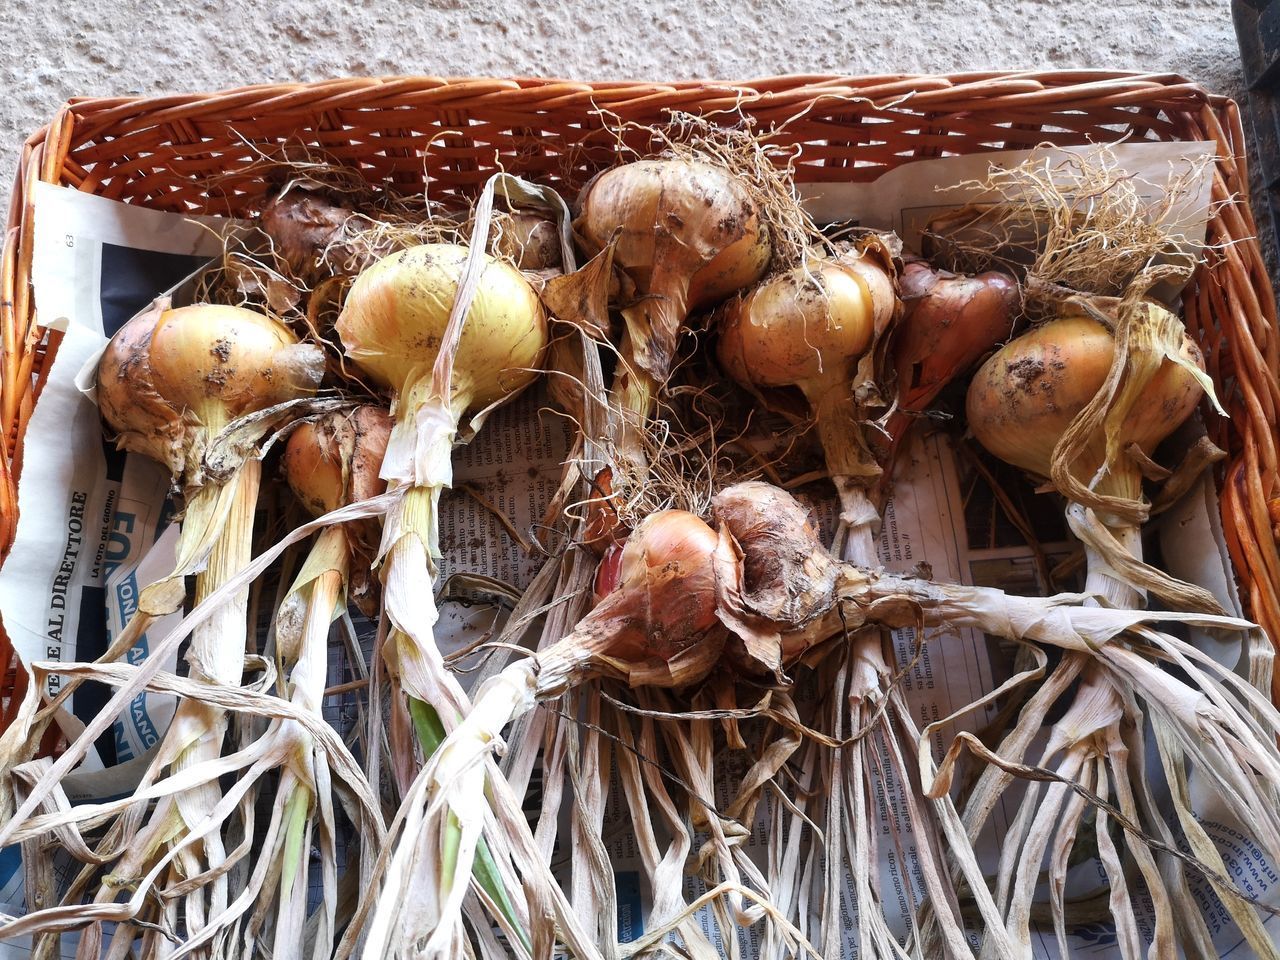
[145,47]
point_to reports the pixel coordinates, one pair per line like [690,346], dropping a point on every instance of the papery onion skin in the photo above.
[805,328]
[658,625]
[396,312]
[1024,397]
[171,377]
[334,460]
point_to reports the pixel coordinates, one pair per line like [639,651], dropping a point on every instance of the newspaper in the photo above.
[105,515]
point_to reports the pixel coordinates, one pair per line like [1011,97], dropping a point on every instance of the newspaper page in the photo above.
[93,521]
[116,511]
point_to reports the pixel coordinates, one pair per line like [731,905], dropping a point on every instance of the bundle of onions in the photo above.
[685,234]
[329,462]
[949,322]
[813,329]
[192,388]
[756,596]
[1086,405]
[790,597]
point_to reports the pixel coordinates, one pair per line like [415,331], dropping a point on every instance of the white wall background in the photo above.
[55,51]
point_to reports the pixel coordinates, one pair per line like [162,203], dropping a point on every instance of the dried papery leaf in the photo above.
[250,763]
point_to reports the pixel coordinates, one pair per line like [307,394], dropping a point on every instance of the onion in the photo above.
[332,461]
[403,325]
[810,328]
[527,240]
[170,384]
[949,321]
[305,229]
[1073,401]
[658,627]
[1023,400]
[686,234]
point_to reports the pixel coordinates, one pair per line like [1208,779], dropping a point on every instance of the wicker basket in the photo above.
[190,153]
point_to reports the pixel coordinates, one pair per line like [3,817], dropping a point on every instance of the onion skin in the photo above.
[396,312]
[171,378]
[659,624]
[334,460]
[688,235]
[1024,397]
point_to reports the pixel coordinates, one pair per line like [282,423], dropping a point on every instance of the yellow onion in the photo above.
[688,234]
[1027,397]
[396,326]
[170,379]
[809,329]
[169,384]
[394,318]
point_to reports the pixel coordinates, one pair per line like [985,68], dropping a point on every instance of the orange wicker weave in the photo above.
[190,152]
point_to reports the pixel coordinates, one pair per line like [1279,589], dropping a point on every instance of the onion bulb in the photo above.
[527,240]
[332,461]
[686,234]
[1025,397]
[949,321]
[401,326]
[810,329]
[169,384]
